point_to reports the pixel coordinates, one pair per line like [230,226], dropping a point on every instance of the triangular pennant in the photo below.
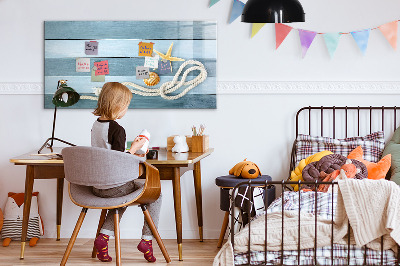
[237,9]
[256,28]
[332,41]
[389,30]
[213,2]
[361,37]
[306,39]
[281,31]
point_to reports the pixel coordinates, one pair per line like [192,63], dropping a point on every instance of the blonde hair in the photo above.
[112,99]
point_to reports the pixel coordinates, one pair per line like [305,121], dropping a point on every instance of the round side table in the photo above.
[226,183]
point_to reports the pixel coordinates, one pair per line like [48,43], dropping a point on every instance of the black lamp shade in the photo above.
[273,11]
[65,96]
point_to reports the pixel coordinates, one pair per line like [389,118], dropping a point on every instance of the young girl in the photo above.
[113,103]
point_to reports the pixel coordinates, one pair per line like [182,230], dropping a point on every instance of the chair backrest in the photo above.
[92,166]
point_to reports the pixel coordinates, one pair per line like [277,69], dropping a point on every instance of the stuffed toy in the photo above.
[245,169]
[13,215]
[375,170]
[180,144]
[296,174]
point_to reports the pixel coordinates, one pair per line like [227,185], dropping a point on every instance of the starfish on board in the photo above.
[168,56]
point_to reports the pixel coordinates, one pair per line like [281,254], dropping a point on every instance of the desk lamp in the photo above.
[273,11]
[63,97]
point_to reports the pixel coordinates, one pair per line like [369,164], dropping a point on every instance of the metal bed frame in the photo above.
[283,184]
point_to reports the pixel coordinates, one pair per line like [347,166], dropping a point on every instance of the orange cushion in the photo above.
[375,170]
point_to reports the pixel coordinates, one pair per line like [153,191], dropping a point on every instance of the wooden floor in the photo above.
[50,252]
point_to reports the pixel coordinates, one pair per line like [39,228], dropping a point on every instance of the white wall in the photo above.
[257,127]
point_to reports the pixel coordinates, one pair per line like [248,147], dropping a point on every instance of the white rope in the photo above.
[169,86]
[86,97]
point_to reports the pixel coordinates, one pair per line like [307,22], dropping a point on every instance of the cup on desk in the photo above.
[152,155]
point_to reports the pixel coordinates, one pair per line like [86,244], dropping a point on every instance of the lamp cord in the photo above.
[167,87]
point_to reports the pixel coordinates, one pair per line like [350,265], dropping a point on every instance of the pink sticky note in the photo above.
[102,68]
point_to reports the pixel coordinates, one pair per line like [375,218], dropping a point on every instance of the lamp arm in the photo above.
[54,126]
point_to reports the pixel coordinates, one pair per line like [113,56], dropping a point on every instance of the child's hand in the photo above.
[137,144]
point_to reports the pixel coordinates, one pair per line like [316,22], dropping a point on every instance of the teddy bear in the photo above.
[180,144]
[245,169]
[13,215]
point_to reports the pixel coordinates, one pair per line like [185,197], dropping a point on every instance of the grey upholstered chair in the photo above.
[85,167]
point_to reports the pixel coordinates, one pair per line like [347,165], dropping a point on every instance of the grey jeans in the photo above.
[154,208]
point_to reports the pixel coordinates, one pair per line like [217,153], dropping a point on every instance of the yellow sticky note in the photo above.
[146,49]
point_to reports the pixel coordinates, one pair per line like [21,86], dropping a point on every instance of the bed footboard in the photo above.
[309,256]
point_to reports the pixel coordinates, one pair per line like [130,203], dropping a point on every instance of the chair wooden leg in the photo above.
[73,237]
[223,229]
[117,238]
[154,230]
[101,222]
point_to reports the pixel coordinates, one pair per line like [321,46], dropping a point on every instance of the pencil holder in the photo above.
[200,143]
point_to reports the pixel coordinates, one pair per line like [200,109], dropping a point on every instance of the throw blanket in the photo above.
[371,206]
[373,209]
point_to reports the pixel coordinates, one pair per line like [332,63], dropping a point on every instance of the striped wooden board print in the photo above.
[118,43]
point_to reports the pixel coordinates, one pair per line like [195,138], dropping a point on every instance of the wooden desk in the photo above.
[169,164]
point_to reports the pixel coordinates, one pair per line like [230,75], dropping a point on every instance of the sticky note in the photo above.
[99,78]
[83,65]
[102,68]
[142,72]
[151,62]
[145,48]
[164,67]
[91,48]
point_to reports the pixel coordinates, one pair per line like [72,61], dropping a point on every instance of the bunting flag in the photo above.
[389,30]
[306,39]
[361,37]
[213,2]
[332,41]
[237,9]
[281,31]
[256,28]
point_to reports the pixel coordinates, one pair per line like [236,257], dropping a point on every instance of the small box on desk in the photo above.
[200,143]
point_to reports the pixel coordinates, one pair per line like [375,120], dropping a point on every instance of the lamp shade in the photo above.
[65,96]
[273,11]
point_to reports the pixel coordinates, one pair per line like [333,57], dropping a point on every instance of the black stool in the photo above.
[226,183]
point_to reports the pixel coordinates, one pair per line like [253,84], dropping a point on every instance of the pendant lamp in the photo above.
[273,11]
[63,97]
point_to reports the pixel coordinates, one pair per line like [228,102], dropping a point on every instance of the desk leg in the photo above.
[27,206]
[176,182]
[60,190]
[199,204]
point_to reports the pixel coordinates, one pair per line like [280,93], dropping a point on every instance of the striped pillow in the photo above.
[372,145]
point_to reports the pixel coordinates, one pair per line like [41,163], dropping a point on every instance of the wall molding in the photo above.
[310,87]
[21,88]
[259,87]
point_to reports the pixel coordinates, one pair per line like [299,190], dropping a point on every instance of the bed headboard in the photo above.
[344,121]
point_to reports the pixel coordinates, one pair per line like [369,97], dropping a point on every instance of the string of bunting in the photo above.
[361,37]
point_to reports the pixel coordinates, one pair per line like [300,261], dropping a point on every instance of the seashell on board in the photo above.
[153,80]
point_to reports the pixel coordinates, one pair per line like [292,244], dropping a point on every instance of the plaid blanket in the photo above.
[324,257]
[322,204]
